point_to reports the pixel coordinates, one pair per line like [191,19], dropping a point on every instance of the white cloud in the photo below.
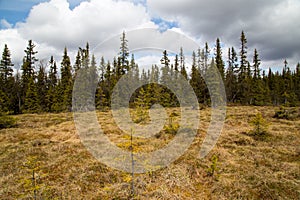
[5,24]
[15,42]
[53,25]
[270,25]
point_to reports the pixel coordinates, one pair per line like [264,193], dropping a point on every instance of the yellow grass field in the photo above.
[240,166]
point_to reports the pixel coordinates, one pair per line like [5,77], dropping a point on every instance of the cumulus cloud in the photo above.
[54,25]
[270,25]
[5,24]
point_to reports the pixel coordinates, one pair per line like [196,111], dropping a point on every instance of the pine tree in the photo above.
[31,100]
[42,88]
[6,80]
[165,61]
[195,80]
[243,83]
[256,63]
[6,65]
[257,90]
[219,60]
[102,68]
[78,63]
[29,61]
[66,82]
[206,56]
[297,81]
[182,64]
[176,63]
[243,55]
[123,55]
[52,91]
[28,67]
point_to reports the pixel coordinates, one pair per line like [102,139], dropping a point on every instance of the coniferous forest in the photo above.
[39,87]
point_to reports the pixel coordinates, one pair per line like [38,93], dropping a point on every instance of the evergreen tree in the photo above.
[6,80]
[31,104]
[182,64]
[195,80]
[52,90]
[102,68]
[243,55]
[176,63]
[42,88]
[6,65]
[243,82]
[219,60]
[66,82]
[257,91]
[256,63]
[27,68]
[123,55]
[297,81]
[78,63]
[29,61]
[206,56]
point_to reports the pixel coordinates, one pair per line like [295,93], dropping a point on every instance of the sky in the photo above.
[271,26]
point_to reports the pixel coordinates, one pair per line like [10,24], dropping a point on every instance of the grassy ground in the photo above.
[239,167]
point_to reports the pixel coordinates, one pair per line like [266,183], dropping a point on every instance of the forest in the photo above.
[40,87]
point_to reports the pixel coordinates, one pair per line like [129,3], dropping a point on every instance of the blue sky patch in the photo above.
[14,11]
[164,24]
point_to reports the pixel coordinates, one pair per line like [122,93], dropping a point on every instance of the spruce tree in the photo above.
[28,68]
[257,94]
[256,63]
[78,63]
[31,104]
[195,80]
[52,90]
[243,82]
[6,65]
[6,80]
[42,89]
[66,82]
[123,55]
[297,82]
[219,60]
[182,63]
[102,68]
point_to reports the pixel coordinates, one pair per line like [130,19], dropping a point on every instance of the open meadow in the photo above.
[240,166]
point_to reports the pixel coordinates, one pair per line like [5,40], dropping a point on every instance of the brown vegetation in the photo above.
[239,167]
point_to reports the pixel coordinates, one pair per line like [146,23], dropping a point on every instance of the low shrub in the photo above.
[6,121]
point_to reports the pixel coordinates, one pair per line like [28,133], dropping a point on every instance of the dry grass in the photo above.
[246,168]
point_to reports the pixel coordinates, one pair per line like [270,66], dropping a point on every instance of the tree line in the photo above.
[40,87]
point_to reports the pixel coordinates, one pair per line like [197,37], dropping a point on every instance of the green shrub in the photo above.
[287,113]
[213,166]
[6,121]
[260,126]
[172,127]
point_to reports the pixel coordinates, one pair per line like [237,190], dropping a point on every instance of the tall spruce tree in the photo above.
[195,80]
[6,80]
[182,63]
[52,91]
[66,82]
[31,104]
[123,55]
[6,65]
[28,73]
[41,86]
[219,60]
[243,82]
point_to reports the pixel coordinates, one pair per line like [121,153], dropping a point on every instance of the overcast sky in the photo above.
[271,26]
